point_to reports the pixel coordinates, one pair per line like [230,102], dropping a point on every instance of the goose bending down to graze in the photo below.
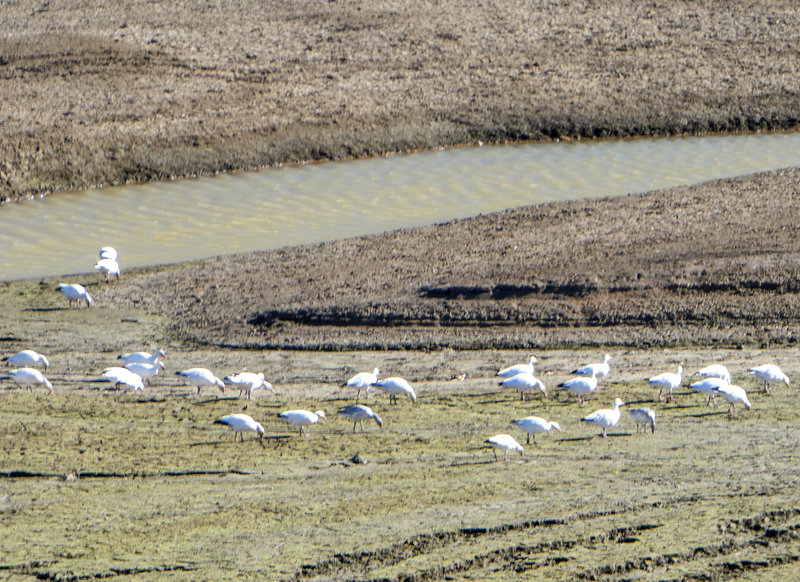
[769,373]
[249,381]
[358,413]
[142,357]
[395,386]
[734,395]
[30,376]
[201,377]
[708,387]
[643,416]
[668,381]
[108,253]
[74,292]
[524,382]
[606,418]
[581,386]
[145,371]
[534,425]
[518,369]
[124,377]
[715,371]
[598,370]
[504,442]
[303,418]
[26,358]
[362,381]
[240,423]
[108,267]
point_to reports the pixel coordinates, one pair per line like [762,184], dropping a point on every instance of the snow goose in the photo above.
[733,394]
[26,358]
[249,381]
[74,292]
[362,381]
[769,373]
[302,418]
[534,425]
[668,381]
[240,423]
[599,369]
[394,386]
[145,371]
[715,371]
[523,382]
[122,376]
[30,376]
[643,416]
[358,413]
[708,387]
[142,357]
[606,418]
[518,369]
[108,253]
[581,386]
[504,442]
[108,267]
[201,377]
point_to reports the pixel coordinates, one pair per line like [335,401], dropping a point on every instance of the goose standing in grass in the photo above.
[534,425]
[123,377]
[201,377]
[109,267]
[518,369]
[769,373]
[30,376]
[734,395]
[108,253]
[249,381]
[715,371]
[598,369]
[26,358]
[394,386]
[643,416]
[668,381]
[145,371]
[142,357]
[358,413]
[524,382]
[708,387]
[362,381]
[504,442]
[606,418]
[303,418]
[240,423]
[581,386]
[75,292]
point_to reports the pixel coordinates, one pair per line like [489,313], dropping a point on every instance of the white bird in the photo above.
[358,413]
[26,358]
[394,386]
[145,371]
[599,369]
[74,292]
[201,377]
[707,387]
[769,373]
[240,423]
[30,376]
[302,418]
[363,381]
[504,442]
[122,376]
[715,371]
[643,416]
[534,425]
[668,381]
[249,381]
[108,253]
[522,382]
[733,394]
[518,369]
[142,357]
[108,267]
[581,386]
[606,418]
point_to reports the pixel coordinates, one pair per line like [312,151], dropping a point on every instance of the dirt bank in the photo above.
[105,94]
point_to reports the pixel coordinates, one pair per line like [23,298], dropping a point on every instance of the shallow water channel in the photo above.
[167,222]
